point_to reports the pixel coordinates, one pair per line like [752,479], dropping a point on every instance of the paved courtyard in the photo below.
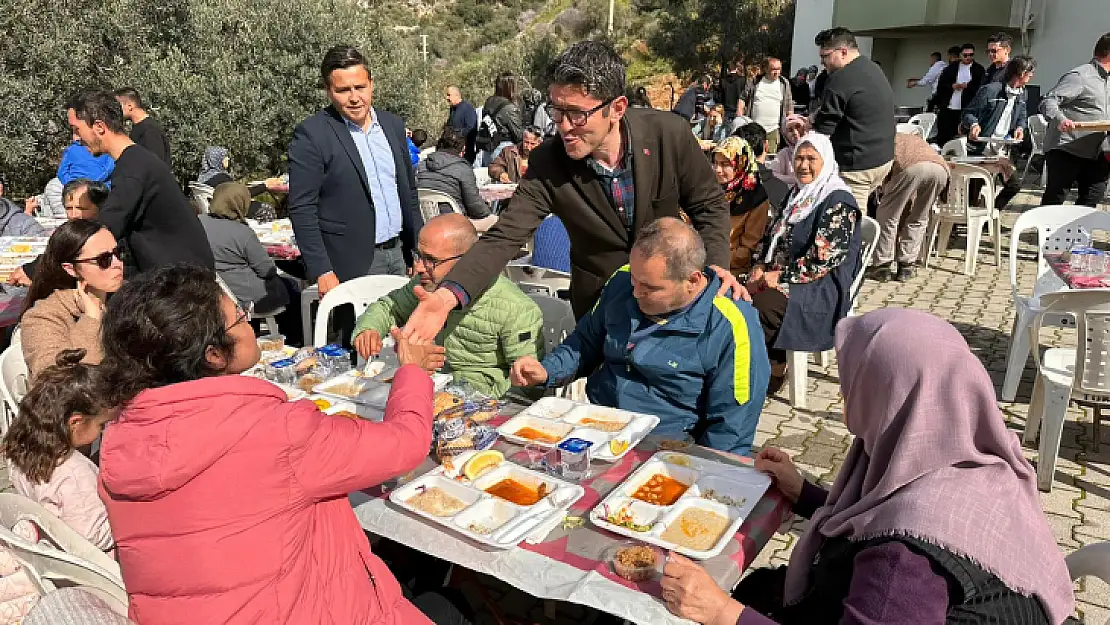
[1078,508]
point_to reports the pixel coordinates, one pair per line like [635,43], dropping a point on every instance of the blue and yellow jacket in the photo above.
[703,371]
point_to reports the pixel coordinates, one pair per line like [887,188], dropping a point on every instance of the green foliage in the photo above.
[697,35]
[237,73]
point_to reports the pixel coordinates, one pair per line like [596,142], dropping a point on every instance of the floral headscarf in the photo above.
[212,163]
[738,190]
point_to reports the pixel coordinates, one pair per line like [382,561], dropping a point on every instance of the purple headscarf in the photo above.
[932,460]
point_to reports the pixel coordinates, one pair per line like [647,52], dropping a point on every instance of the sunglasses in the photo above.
[104,260]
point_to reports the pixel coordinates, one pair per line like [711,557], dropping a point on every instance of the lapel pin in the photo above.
[647,152]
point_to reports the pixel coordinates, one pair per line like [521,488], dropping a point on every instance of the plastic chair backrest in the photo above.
[926,121]
[910,129]
[959,203]
[869,236]
[1038,126]
[558,320]
[75,562]
[1058,230]
[1091,308]
[14,378]
[76,604]
[1090,560]
[955,147]
[202,194]
[430,201]
[360,292]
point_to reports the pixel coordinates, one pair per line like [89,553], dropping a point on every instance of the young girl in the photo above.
[60,413]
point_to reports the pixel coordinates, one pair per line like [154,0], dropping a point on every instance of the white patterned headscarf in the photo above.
[806,197]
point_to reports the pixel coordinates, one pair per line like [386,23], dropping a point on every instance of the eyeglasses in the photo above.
[967,55]
[575,117]
[244,313]
[103,260]
[432,262]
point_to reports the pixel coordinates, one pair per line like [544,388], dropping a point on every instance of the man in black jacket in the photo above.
[856,111]
[999,112]
[352,189]
[146,210]
[956,88]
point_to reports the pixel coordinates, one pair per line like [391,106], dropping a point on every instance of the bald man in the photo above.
[463,117]
[482,340]
[661,341]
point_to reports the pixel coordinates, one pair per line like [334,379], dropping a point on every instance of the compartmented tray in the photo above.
[552,420]
[372,391]
[333,405]
[679,502]
[480,515]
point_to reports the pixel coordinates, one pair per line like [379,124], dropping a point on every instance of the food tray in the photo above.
[374,390]
[502,518]
[336,405]
[568,419]
[727,491]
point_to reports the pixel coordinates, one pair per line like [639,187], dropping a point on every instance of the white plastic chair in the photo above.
[75,562]
[955,147]
[558,323]
[14,380]
[1038,127]
[360,292]
[958,210]
[1058,230]
[926,121]
[481,174]
[202,195]
[1081,374]
[309,294]
[532,278]
[430,201]
[797,363]
[1090,560]
[910,129]
[269,317]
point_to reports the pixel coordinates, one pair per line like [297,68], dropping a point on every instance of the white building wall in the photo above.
[810,18]
[906,58]
[1064,35]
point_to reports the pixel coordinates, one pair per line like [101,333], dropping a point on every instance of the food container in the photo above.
[353,387]
[309,381]
[569,419]
[333,360]
[635,561]
[271,343]
[574,458]
[701,521]
[281,372]
[528,430]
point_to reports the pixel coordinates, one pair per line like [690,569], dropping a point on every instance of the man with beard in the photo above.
[512,162]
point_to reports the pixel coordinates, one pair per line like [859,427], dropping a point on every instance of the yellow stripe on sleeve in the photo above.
[741,370]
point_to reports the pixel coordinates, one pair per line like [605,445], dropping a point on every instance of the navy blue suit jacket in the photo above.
[329,196]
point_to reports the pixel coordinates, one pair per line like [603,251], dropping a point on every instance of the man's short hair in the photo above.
[341,56]
[1102,48]
[594,66]
[936,55]
[92,106]
[955,50]
[97,192]
[451,140]
[677,242]
[967,46]
[419,137]
[1018,66]
[755,135]
[838,37]
[132,96]
[534,130]
[1002,39]
[767,64]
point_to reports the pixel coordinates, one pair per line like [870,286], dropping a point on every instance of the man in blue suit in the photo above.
[352,190]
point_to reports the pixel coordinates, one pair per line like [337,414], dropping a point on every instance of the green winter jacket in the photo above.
[481,341]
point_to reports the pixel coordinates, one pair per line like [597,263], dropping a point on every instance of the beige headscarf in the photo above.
[230,200]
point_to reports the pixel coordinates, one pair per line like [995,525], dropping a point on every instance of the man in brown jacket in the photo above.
[512,162]
[613,170]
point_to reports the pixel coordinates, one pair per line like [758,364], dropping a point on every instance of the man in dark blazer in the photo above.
[611,170]
[352,189]
[956,88]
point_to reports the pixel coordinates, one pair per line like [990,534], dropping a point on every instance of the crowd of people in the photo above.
[693,272]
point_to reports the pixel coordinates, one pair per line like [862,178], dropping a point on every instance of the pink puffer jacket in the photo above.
[229,503]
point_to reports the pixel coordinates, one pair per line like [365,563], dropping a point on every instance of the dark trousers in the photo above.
[1066,169]
[948,125]
[771,305]
[1009,189]
[281,291]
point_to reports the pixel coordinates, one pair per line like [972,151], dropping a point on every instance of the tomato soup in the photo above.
[660,490]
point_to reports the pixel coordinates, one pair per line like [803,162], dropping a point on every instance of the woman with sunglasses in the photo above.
[80,267]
